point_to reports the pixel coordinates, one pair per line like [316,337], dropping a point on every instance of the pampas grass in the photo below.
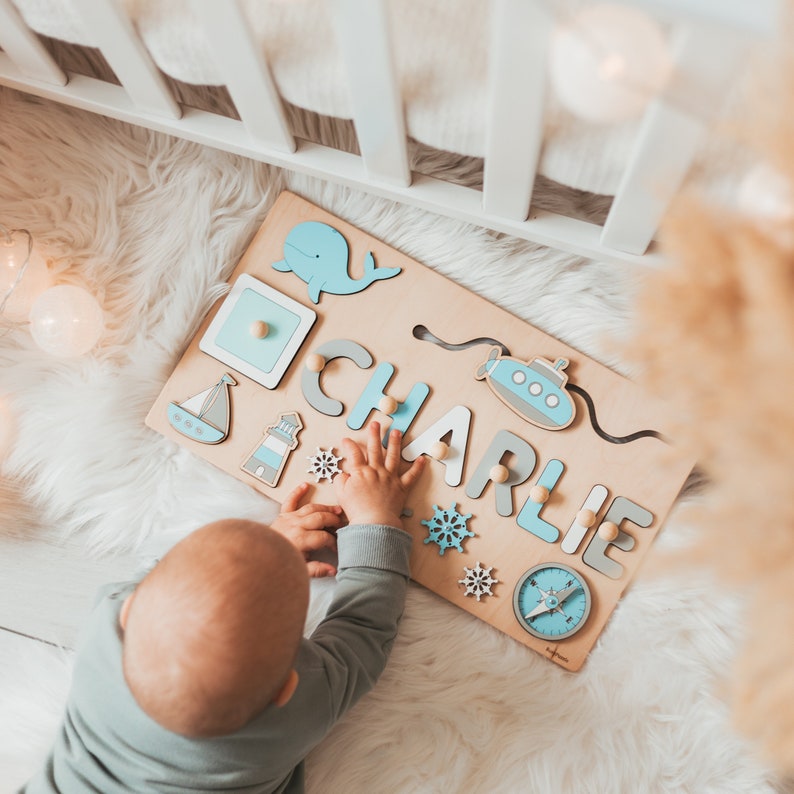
[714,335]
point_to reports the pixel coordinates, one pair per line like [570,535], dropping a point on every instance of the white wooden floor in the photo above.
[46,591]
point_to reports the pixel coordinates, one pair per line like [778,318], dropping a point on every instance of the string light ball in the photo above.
[24,274]
[766,196]
[608,62]
[66,321]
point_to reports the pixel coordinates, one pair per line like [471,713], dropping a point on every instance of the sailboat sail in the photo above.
[204,417]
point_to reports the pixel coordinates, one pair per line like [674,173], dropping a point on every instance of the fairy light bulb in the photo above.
[608,63]
[66,321]
[767,194]
[766,197]
[24,274]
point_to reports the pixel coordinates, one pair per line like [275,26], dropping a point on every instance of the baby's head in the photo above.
[211,634]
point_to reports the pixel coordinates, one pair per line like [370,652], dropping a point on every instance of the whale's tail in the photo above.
[373,273]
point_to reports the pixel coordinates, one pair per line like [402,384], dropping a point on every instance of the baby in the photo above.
[199,679]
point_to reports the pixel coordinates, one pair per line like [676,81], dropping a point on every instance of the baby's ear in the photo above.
[125,609]
[286,692]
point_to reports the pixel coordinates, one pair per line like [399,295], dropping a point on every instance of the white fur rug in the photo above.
[153,225]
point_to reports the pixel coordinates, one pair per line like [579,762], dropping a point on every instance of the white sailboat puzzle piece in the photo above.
[205,416]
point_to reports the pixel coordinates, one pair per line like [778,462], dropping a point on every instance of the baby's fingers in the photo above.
[355,455]
[374,445]
[293,498]
[322,518]
[414,473]
[319,570]
[392,461]
[316,540]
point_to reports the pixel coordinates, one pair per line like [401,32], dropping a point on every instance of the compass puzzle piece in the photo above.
[552,601]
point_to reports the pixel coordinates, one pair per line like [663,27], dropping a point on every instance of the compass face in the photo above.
[551,601]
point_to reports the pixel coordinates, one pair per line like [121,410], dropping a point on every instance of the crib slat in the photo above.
[517,78]
[362,34]
[25,49]
[115,36]
[245,73]
[433,195]
[670,134]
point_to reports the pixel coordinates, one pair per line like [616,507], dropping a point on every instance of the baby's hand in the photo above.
[307,528]
[371,489]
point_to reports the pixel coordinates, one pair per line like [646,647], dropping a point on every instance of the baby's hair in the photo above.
[212,632]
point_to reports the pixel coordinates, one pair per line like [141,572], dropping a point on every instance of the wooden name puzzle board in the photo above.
[546,485]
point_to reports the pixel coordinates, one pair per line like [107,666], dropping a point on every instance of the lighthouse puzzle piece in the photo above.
[544,464]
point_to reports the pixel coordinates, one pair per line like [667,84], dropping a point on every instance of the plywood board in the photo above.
[382,319]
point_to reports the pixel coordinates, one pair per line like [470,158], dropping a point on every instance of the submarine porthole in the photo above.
[535,388]
[519,377]
[552,401]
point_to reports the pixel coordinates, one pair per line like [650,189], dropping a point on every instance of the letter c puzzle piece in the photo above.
[310,377]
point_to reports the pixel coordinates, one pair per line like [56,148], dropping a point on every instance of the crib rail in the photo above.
[717,32]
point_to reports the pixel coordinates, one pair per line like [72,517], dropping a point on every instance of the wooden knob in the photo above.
[585,517]
[439,450]
[258,329]
[315,362]
[499,473]
[539,494]
[608,530]
[387,405]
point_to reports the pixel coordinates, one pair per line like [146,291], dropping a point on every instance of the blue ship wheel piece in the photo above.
[318,254]
[552,601]
[447,528]
[535,390]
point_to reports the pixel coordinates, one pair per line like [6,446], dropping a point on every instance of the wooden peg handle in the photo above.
[499,473]
[258,329]
[388,405]
[608,530]
[539,494]
[439,450]
[315,362]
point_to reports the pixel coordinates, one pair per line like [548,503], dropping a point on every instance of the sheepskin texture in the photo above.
[153,226]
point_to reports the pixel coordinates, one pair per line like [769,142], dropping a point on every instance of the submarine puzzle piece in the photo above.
[318,254]
[535,390]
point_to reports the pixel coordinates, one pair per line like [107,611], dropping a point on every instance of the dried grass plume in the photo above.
[714,339]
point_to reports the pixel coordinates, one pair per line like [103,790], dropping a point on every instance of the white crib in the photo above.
[711,37]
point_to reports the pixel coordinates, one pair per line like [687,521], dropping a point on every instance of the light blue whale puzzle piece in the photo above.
[318,254]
